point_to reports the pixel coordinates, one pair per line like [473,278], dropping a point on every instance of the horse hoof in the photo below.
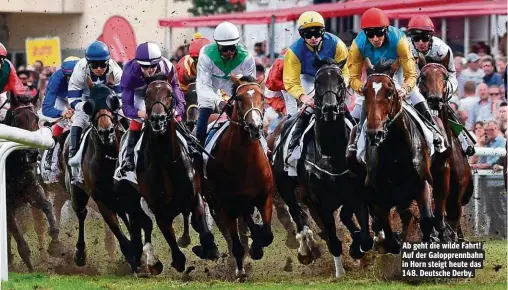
[367,244]
[80,258]
[380,247]
[178,262]
[256,253]
[392,246]
[291,241]
[240,275]
[355,251]
[316,252]
[305,260]
[155,269]
[55,248]
[184,241]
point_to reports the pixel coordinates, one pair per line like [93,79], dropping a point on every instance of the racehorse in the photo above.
[397,159]
[21,180]
[453,184]
[192,112]
[239,177]
[166,175]
[98,165]
[322,171]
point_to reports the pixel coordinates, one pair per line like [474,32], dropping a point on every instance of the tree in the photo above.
[210,7]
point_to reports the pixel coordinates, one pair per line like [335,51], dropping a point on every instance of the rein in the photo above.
[101,138]
[445,72]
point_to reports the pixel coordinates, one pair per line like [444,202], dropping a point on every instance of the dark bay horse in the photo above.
[22,184]
[98,165]
[453,183]
[397,159]
[167,177]
[239,176]
[192,111]
[323,174]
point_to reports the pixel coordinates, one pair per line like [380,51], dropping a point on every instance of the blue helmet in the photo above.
[68,64]
[97,51]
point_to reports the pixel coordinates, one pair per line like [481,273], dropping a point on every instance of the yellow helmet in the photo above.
[310,19]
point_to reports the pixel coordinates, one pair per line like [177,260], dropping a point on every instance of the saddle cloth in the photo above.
[292,161]
[131,175]
[429,136]
[214,134]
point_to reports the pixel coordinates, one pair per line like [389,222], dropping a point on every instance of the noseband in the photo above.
[251,109]
[102,133]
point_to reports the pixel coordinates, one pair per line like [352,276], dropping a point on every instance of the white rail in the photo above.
[14,139]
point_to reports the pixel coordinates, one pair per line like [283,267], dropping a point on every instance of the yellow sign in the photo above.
[46,50]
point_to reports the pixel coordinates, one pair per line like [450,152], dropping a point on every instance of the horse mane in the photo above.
[156,77]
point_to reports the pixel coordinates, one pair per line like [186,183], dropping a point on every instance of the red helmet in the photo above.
[3,50]
[374,17]
[421,22]
[196,44]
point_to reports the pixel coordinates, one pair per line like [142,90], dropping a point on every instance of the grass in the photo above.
[268,273]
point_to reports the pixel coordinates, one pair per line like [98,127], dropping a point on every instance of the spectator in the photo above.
[479,133]
[501,65]
[494,140]
[463,115]
[460,63]
[454,106]
[495,97]
[502,117]
[259,50]
[38,66]
[470,98]
[473,72]
[491,77]
[24,77]
[482,110]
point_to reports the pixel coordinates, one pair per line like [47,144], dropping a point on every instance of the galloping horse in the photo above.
[323,172]
[98,165]
[166,175]
[239,175]
[21,179]
[453,185]
[397,159]
[192,112]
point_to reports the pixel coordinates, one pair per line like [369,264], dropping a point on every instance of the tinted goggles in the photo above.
[227,48]
[375,32]
[418,37]
[312,32]
[98,64]
[146,66]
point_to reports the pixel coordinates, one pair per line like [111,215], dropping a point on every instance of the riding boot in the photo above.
[301,124]
[202,123]
[132,140]
[363,116]
[424,111]
[465,141]
[73,148]
[49,154]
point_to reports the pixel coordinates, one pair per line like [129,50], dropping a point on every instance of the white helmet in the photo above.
[226,34]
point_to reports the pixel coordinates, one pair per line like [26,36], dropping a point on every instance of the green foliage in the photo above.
[211,7]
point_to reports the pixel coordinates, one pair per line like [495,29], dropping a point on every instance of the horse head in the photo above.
[192,112]
[159,100]
[330,89]
[249,105]
[433,80]
[102,106]
[383,107]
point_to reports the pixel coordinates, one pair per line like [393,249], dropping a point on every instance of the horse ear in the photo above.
[368,66]
[235,79]
[342,63]
[446,60]
[421,60]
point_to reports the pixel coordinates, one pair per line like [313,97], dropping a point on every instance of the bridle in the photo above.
[444,71]
[103,133]
[242,117]
[161,120]
[340,95]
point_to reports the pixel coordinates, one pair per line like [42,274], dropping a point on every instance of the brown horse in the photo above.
[239,175]
[98,165]
[167,177]
[453,184]
[397,160]
[22,182]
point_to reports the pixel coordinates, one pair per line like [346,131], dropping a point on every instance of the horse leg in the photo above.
[208,249]
[386,237]
[426,217]
[361,236]
[153,263]
[79,201]
[333,242]
[285,219]
[9,251]
[111,220]
[243,232]
[40,202]
[237,247]
[440,191]
[454,214]
[58,203]
[23,249]
[286,188]
[405,217]
[185,240]
[164,220]
[219,221]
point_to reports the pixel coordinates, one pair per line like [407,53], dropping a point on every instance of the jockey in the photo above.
[148,62]
[9,81]
[275,83]
[95,68]
[421,31]
[187,66]
[379,41]
[55,104]
[216,62]
[299,71]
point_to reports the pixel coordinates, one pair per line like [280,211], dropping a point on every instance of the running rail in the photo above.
[15,139]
